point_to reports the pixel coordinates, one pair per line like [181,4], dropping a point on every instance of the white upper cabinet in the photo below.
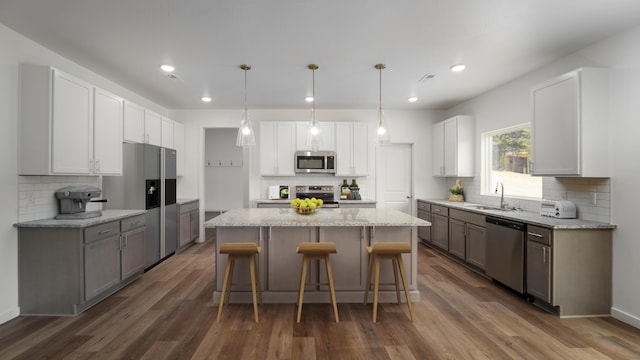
[327,131]
[107,130]
[569,122]
[453,146]
[58,125]
[178,142]
[152,128]
[133,123]
[167,133]
[277,148]
[352,148]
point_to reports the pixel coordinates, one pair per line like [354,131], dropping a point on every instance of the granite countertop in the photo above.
[323,217]
[182,201]
[107,215]
[286,201]
[525,216]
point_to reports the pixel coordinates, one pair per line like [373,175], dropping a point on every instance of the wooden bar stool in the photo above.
[317,251]
[236,251]
[393,251]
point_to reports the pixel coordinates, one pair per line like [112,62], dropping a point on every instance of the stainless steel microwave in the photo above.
[315,162]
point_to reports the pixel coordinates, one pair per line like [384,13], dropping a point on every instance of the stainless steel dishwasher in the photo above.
[505,252]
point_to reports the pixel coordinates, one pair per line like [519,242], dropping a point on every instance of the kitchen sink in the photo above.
[487,207]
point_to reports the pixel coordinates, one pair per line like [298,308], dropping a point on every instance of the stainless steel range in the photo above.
[324,192]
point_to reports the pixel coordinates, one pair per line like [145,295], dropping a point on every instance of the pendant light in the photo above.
[383,132]
[314,138]
[246,135]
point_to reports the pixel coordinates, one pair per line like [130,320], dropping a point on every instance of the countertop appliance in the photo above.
[148,182]
[278,192]
[308,162]
[72,202]
[562,209]
[505,252]
[324,192]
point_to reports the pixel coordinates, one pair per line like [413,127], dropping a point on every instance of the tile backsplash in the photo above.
[592,196]
[36,199]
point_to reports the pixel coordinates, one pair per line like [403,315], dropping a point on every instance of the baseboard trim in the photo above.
[625,317]
[9,315]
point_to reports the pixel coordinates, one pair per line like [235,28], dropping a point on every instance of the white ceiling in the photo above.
[499,40]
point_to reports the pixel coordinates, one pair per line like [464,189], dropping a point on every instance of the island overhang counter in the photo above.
[279,231]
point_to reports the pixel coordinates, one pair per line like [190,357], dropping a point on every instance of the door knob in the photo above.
[408,197]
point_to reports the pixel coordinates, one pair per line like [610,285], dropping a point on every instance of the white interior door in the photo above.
[394,177]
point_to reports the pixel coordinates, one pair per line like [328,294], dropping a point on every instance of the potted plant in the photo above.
[457,192]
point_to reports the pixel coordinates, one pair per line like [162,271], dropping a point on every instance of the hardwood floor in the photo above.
[169,314]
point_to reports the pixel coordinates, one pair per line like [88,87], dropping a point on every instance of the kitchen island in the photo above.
[280,231]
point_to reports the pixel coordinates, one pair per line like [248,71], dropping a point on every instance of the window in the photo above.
[507,161]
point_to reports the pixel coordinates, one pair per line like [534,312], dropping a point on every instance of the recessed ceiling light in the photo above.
[206,99]
[308,99]
[457,67]
[167,68]
[413,99]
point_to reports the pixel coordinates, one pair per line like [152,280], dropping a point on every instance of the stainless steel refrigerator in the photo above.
[148,182]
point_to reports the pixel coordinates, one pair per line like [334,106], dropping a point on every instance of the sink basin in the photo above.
[487,207]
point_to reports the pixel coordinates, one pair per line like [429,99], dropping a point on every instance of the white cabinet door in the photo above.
[178,142]
[437,149]
[569,123]
[72,132]
[277,148]
[107,133]
[453,147]
[133,123]
[556,125]
[352,149]
[327,131]
[360,155]
[152,128]
[167,133]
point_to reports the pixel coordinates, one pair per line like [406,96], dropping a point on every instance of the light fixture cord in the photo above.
[313,88]
[380,71]
[245,93]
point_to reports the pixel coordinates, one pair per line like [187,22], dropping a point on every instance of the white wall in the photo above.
[509,105]
[223,170]
[17,49]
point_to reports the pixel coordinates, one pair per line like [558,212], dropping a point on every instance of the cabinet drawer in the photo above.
[132,223]
[539,234]
[440,210]
[188,207]
[101,231]
[467,216]
[423,206]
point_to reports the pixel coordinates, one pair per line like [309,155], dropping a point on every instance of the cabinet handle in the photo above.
[436,210]
[535,235]
[105,231]
[134,223]
[544,255]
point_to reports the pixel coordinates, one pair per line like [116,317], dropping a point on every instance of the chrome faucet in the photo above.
[501,185]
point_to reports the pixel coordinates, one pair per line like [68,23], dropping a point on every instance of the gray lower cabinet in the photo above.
[274,205]
[65,270]
[424,213]
[133,246]
[188,223]
[440,231]
[457,238]
[356,205]
[101,258]
[539,270]
[476,245]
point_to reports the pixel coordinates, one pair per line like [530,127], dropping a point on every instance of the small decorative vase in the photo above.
[457,198]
